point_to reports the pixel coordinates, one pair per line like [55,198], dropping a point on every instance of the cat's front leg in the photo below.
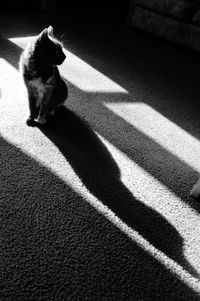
[42,119]
[33,110]
[43,112]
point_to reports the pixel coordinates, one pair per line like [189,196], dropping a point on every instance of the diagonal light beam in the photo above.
[151,192]
[160,129]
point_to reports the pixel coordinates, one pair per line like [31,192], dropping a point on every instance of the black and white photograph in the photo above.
[100,150]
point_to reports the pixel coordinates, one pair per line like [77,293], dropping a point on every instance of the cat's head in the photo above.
[49,47]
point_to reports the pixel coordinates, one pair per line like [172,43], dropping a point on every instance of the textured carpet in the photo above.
[95,205]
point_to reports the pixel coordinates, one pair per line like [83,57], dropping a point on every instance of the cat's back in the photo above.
[27,59]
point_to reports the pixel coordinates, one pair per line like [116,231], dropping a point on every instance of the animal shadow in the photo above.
[97,169]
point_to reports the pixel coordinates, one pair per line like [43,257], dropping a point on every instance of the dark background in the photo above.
[106,9]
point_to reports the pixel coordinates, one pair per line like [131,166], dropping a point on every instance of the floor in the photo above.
[96,206]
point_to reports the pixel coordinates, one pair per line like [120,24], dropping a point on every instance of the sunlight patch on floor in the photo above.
[160,129]
[22,41]
[160,198]
[81,74]
[155,195]
[7,70]
[12,90]
[46,154]
[140,183]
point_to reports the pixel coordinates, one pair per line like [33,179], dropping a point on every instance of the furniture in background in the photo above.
[175,20]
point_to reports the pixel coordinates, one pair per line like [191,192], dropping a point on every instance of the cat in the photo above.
[38,66]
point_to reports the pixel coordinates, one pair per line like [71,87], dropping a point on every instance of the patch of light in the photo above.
[22,42]
[163,131]
[160,198]
[11,86]
[141,184]
[80,73]
[153,194]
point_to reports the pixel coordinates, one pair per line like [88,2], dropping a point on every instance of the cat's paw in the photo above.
[30,122]
[195,192]
[41,120]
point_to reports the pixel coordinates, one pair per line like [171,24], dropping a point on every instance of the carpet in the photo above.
[95,205]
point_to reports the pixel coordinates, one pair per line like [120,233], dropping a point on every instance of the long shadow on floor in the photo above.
[99,172]
[54,245]
[102,190]
[163,165]
[184,176]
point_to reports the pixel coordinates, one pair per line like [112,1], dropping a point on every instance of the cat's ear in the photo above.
[50,31]
[44,34]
